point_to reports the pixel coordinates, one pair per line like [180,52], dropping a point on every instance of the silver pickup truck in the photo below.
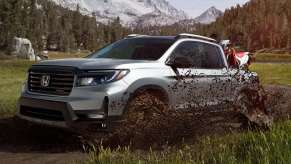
[176,72]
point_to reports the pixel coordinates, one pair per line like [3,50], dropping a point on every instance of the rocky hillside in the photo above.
[130,12]
[209,16]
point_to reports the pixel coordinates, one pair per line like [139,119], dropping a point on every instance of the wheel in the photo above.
[145,111]
[144,107]
[251,104]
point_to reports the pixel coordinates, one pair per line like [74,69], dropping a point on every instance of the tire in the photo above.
[144,112]
[251,104]
[144,107]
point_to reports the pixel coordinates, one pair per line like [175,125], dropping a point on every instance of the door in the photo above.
[213,75]
[200,82]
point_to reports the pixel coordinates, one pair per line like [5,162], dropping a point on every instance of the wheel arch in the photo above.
[162,93]
[155,89]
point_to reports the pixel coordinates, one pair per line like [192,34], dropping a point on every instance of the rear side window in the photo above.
[200,55]
[211,56]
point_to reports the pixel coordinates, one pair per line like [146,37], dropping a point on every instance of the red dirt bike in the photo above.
[240,59]
[243,59]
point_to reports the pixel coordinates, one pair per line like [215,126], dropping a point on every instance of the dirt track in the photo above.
[31,144]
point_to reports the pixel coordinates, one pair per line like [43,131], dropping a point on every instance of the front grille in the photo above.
[46,114]
[61,81]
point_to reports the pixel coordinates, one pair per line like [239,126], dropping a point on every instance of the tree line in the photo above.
[51,27]
[256,25]
[259,24]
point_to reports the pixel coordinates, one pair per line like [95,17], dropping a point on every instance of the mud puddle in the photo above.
[25,143]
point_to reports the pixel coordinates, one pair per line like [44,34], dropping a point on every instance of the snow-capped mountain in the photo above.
[130,12]
[209,16]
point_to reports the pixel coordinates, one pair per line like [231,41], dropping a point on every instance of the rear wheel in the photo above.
[251,104]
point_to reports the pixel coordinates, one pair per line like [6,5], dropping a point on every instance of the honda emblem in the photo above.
[45,80]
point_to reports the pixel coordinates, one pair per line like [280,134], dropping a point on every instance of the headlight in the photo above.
[94,78]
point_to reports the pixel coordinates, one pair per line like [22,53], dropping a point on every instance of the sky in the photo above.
[196,7]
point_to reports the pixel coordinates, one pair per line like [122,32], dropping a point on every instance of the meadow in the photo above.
[271,73]
[271,57]
[13,74]
[273,146]
[62,55]
[246,147]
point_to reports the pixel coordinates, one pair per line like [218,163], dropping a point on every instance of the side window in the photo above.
[212,57]
[189,52]
[199,55]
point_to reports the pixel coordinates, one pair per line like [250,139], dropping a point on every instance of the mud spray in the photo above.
[151,123]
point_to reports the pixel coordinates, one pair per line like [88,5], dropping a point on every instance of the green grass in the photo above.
[251,147]
[13,72]
[273,73]
[12,75]
[62,55]
[270,57]
[273,146]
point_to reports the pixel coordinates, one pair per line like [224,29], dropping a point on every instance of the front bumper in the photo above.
[63,103]
[59,114]
[84,106]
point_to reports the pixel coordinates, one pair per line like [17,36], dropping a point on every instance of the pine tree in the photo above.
[77,26]
[287,11]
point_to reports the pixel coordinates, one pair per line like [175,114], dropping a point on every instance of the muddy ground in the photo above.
[21,142]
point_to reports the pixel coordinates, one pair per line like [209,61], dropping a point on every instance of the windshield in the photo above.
[135,49]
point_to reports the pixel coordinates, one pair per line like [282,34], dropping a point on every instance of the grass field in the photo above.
[62,55]
[13,72]
[12,76]
[270,57]
[249,147]
[273,73]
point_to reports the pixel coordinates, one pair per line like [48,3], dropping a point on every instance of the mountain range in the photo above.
[136,12]
[209,16]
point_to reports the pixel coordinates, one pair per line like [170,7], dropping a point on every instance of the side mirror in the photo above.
[179,62]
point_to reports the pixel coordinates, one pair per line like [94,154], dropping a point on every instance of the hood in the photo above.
[100,63]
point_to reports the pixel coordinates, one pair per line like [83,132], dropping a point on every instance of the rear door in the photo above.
[203,82]
[213,74]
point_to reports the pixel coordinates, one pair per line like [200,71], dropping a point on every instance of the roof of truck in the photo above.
[174,38]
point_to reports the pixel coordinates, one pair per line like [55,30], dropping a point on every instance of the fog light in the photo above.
[95,116]
[103,125]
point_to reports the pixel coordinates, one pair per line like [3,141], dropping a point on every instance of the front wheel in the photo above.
[145,113]
[143,108]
